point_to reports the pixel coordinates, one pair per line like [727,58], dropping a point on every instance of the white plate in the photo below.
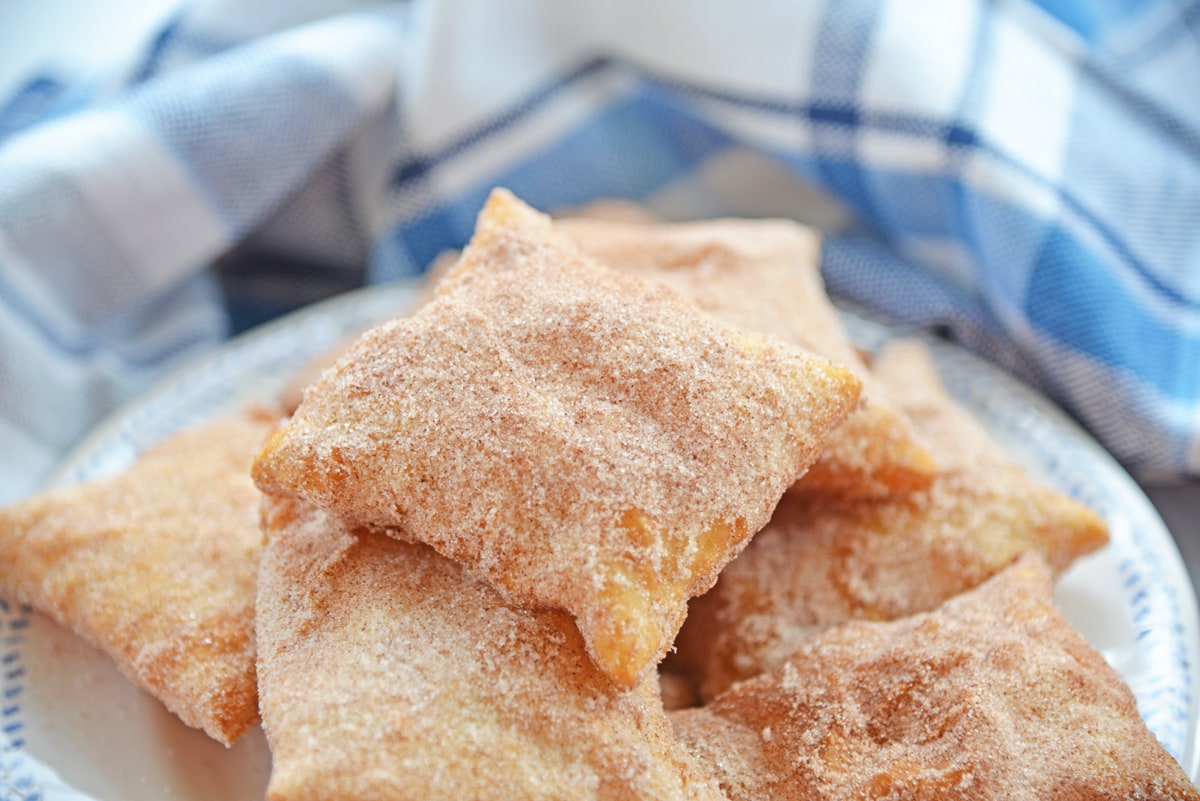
[75,728]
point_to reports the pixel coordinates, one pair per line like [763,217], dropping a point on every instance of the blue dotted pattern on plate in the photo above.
[17,779]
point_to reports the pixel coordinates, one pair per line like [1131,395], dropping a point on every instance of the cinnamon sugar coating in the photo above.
[820,563]
[156,567]
[992,696]
[388,672]
[580,438]
[763,275]
[293,392]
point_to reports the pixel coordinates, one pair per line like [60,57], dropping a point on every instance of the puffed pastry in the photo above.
[156,567]
[386,671]
[993,696]
[580,438]
[822,562]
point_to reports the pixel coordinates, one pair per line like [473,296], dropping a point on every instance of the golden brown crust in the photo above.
[387,672]
[822,563]
[763,275]
[156,567]
[565,431]
[992,696]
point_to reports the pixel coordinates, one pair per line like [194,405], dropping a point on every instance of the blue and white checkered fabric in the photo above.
[1023,177]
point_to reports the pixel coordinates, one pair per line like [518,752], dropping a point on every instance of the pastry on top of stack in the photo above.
[578,437]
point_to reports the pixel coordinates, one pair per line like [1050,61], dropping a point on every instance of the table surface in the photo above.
[73,36]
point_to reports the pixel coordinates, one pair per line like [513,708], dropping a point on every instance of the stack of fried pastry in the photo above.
[617,512]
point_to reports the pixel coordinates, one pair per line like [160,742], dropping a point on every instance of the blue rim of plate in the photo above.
[1163,613]
[17,779]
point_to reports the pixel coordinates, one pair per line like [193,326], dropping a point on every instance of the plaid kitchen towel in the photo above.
[1022,177]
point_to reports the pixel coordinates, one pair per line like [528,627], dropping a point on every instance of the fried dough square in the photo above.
[156,567]
[386,671]
[580,438]
[820,563]
[992,696]
[764,275]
